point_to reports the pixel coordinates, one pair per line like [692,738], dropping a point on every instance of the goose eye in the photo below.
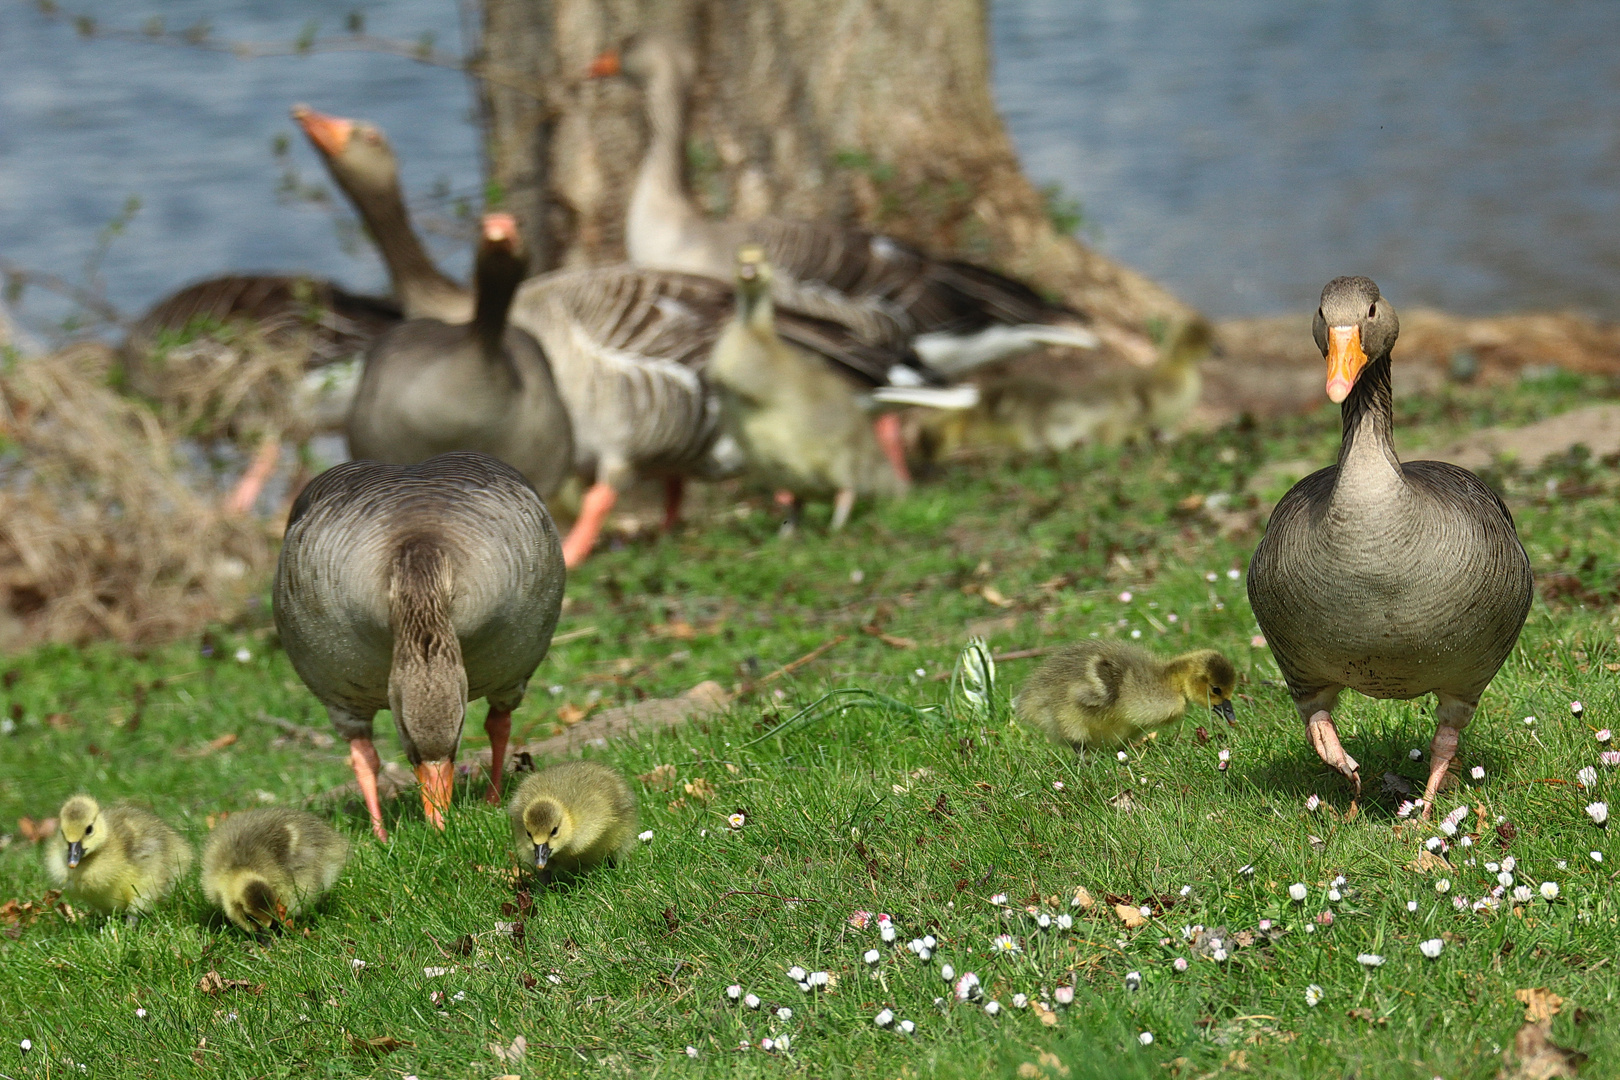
[1319,315]
[1372,312]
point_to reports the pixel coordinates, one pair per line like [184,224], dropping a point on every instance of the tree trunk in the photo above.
[874,112]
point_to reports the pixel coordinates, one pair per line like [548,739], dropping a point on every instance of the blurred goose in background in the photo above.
[417,588]
[264,866]
[1103,693]
[956,315]
[121,858]
[362,163]
[801,424]
[430,387]
[1393,579]
[572,817]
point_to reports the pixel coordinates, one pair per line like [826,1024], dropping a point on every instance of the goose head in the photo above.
[647,59]
[84,828]
[753,278]
[550,828]
[1207,678]
[501,246]
[1354,326]
[357,152]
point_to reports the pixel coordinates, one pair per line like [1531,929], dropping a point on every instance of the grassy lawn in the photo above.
[898,800]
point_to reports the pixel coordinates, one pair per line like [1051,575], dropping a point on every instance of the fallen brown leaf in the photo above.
[699,789]
[1540,1004]
[1366,1017]
[1427,862]
[993,595]
[61,721]
[213,984]
[1048,1017]
[1084,898]
[1534,1056]
[377,1047]
[571,714]
[1129,915]
[661,778]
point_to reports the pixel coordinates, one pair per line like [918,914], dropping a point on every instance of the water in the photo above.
[1463,152]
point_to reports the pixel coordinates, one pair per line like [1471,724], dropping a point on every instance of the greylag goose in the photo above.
[956,315]
[1393,579]
[430,387]
[1103,693]
[417,588]
[799,423]
[359,159]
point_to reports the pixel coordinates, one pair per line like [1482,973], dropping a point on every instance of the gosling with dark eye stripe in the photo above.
[572,817]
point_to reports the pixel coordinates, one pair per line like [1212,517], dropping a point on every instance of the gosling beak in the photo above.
[330,134]
[1345,359]
[605,66]
[542,855]
[438,780]
[75,854]
[1224,710]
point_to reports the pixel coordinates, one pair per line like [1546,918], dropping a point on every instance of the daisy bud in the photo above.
[947,972]
[819,978]
[1371,960]
[784,1013]
[1576,708]
[1020,1000]
[1603,735]
[1122,756]
[1064,995]
[1504,879]
[1297,892]
[907,1027]
[871,956]
[1312,803]
[1431,948]
[796,973]
[1598,812]
[752,1001]
[782,1043]
[1412,906]
[734,992]
[887,932]
[1596,856]
[1133,981]
[1586,777]
[1180,963]
[1415,754]
[1146,1038]
[1334,896]
[1477,772]
[1522,894]
[691,1051]
[1064,922]
[991,1008]
[884,1018]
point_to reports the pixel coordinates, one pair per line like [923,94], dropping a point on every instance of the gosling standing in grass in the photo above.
[263,866]
[572,816]
[800,423]
[1103,693]
[121,859]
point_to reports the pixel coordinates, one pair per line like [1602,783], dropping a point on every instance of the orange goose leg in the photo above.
[593,511]
[498,726]
[887,429]
[246,492]
[363,757]
[674,490]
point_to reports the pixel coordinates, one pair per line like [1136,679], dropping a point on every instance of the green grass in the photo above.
[898,801]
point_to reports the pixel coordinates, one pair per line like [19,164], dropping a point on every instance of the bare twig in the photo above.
[790,668]
[1020,654]
[319,739]
[85,298]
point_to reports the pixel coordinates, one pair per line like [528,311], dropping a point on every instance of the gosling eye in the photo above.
[554,830]
[88,829]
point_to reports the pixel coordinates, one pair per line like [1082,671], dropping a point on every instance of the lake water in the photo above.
[1466,153]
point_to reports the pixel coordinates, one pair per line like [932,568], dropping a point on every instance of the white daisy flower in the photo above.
[1297,892]
[1371,960]
[1522,894]
[1004,943]
[1313,995]
[1412,906]
[1586,777]
[784,1013]
[1146,1038]
[1020,1000]
[1549,891]
[968,988]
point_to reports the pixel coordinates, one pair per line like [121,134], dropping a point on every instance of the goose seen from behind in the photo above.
[1388,578]
[430,387]
[417,588]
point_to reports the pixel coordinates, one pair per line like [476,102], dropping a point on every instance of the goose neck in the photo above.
[415,278]
[658,200]
[1367,458]
[499,275]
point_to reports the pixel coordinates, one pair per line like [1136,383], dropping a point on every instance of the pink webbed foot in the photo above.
[1325,741]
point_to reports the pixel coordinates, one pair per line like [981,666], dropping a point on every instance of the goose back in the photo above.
[343,544]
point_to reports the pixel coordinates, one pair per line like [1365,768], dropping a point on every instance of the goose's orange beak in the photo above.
[329,133]
[500,228]
[438,780]
[1345,359]
[606,65]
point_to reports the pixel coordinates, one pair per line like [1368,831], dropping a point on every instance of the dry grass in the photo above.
[100,533]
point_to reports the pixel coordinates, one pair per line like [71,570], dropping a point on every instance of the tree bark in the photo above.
[874,112]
